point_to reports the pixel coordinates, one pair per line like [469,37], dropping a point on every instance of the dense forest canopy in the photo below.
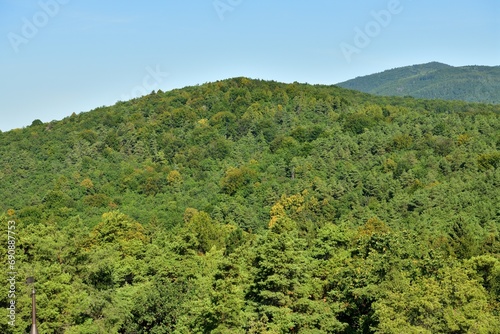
[249,206]
[434,81]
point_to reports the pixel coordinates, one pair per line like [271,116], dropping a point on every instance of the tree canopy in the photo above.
[250,206]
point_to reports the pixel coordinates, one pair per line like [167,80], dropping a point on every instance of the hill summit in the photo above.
[433,81]
[251,206]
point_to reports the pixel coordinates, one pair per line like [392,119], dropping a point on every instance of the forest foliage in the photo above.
[433,81]
[250,206]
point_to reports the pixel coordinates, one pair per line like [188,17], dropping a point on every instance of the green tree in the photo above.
[450,302]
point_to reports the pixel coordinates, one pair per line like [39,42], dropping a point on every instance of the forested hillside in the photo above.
[248,206]
[434,81]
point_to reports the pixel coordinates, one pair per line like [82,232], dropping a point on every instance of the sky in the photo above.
[59,57]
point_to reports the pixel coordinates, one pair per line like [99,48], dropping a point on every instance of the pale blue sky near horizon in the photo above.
[63,56]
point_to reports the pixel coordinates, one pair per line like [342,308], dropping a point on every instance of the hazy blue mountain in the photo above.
[433,81]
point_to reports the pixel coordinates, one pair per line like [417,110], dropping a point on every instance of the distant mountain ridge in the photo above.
[433,81]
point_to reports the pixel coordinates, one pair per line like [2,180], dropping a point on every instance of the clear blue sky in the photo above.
[63,56]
